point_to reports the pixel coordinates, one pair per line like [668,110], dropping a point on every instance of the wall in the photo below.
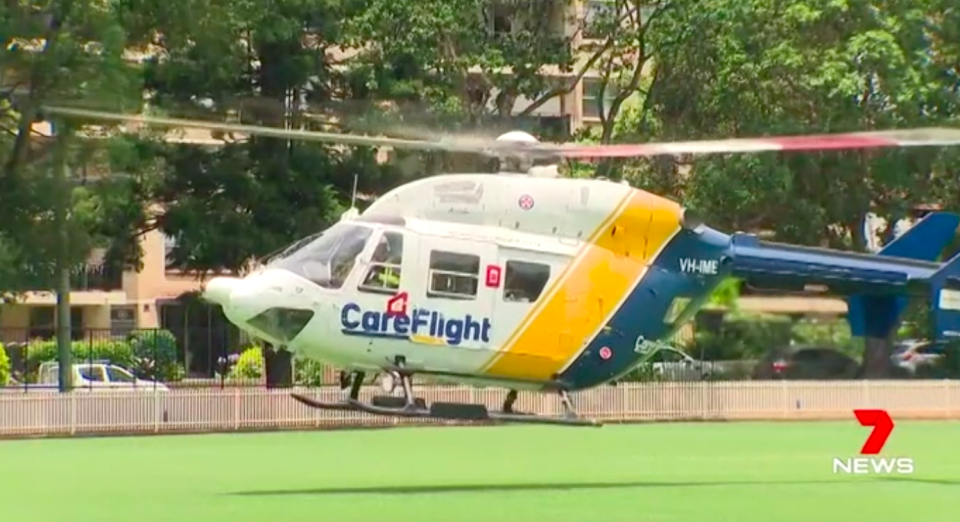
[198,410]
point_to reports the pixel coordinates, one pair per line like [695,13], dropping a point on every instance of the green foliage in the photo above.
[308,372]
[833,334]
[4,366]
[116,352]
[917,323]
[250,365]
[74,54]
[753,67]
[727,293]
[155,355]
[742,336]
[150,354]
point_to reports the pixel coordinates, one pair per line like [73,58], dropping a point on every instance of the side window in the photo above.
[383,275]
[931,349]
[665,355]
[117,375]
[672,356]
[524,281]
[92,373]
[453,275]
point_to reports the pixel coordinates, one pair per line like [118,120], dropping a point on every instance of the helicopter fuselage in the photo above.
[529,306]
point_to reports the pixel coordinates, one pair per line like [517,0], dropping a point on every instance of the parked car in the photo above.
[98,376]
[806,362]
[913,354]
[674,365]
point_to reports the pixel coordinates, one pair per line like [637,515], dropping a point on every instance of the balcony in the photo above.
[87,277]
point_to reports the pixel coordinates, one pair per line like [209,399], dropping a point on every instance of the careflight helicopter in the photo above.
[529,281]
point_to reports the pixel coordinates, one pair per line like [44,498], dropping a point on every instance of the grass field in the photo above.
[737,472]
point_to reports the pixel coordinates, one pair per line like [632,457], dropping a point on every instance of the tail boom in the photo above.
[878,286]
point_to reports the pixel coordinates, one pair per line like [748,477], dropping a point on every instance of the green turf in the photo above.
[737,472]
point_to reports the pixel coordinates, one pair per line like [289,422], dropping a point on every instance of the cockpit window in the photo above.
[326,258]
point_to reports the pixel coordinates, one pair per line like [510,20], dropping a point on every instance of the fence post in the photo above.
[156,409]
[236,408]
[785,398]
[627,412]
[73,412]
[948,386]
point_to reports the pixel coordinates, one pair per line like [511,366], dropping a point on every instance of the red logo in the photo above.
[397,305]
[606,353]
[526,202]
[882,426]
[493,276]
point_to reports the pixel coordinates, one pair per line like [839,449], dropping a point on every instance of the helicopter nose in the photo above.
[246,301]
[218,290]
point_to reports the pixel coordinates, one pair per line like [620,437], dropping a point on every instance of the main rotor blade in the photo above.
[921,137]
[450,145]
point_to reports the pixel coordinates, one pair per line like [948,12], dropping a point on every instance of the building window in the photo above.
[453,275]
[383,276]
[500,18]
[524,281]
[596,14]
[123,320]
[169,244]
[591,93]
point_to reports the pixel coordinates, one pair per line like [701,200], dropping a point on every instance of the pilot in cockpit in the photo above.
[387,259]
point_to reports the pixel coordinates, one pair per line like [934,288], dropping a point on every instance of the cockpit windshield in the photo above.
[325,258]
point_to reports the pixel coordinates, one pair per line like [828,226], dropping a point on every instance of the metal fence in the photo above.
[233,409]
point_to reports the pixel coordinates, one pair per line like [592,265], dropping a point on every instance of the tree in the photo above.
[490,54]
[759,67]
[67,52]
[221,60]
[64,52]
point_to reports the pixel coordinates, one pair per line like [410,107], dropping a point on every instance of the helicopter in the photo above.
[526,280]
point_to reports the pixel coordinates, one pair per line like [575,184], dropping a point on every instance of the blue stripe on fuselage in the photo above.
[643,315]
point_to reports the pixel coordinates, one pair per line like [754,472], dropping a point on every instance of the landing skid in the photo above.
[410,407]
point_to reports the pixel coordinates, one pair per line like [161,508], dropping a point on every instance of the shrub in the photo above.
[831,334]
[155,355]
[250,365]
[742,336]
[4,366]
[40,351]
[308,372]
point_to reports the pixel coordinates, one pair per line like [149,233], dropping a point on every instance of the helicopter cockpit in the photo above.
[325,258]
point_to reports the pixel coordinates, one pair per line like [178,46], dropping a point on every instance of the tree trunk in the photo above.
[876,357]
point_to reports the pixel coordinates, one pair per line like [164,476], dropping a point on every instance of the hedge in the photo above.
[149,354]
[4,366]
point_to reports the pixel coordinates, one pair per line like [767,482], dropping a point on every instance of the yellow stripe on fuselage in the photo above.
[548,292]
[608,267]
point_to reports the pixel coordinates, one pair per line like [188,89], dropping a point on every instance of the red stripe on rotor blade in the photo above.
[832,142]
[610,151]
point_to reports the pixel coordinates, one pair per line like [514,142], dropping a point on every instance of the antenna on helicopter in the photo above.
[519,162]
[352,212]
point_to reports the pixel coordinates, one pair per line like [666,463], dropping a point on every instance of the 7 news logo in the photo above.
[882,428]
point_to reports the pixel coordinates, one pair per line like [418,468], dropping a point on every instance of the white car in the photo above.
[911,354]
[98,376]
[673,365]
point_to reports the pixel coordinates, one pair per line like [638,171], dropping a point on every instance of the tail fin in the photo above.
[945,299]
[924,241]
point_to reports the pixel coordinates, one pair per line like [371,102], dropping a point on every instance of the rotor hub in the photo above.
[517,137]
